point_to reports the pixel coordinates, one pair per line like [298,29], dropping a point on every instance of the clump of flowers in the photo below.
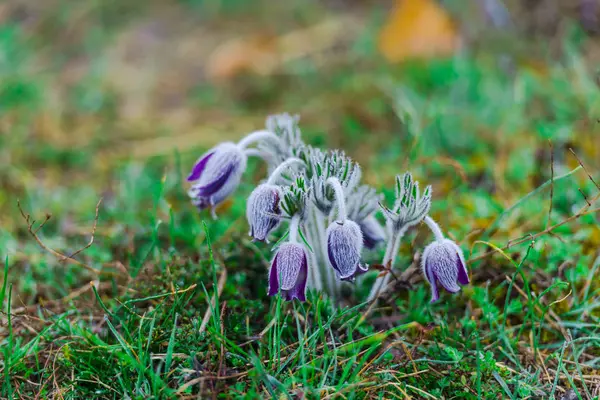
[331,217]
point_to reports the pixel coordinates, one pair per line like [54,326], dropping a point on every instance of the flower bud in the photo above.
[372,231]
[344,247]
[443,262]
[216,174]
[262,209]
[288,273]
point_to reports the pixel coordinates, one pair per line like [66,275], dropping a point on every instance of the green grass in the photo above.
[167,303]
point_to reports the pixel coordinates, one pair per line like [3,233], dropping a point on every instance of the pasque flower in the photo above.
[344,240]
[289,271]
[443,262]
[217,174]
[319,185]
[344,247]
[289,268]
[262,210]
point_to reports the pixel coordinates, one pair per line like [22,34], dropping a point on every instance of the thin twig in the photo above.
[60,256]
[584,197]
[585,169]
[509,210]
[582,212]
[69,297]
[48,216]
[87,246]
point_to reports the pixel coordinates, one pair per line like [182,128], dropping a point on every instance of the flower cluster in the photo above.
[331,216]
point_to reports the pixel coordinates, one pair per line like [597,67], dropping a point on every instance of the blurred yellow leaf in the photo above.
[242,55]
[263,54]
[225,206]
[418,29]
[536,67]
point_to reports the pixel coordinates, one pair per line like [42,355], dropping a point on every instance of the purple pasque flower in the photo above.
[372,231]
[262,210]
[443,262]
[344,247]
[216,174]
[289,271]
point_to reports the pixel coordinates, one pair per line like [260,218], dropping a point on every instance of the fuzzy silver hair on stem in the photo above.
[330,216]
[410,208]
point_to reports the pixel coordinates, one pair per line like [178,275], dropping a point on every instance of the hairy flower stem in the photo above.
[435,228]
[294,225]
[276,174]
[315,281]
[257,153]
[391,252]
[326,270]
[339,196]
[257,136]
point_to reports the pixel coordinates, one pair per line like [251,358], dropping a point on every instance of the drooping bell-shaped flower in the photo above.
[372,231]
[216,174]
[344,247]
[443,262]
[262,210]
[289,271]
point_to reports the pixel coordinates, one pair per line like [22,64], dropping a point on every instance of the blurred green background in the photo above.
[90,86]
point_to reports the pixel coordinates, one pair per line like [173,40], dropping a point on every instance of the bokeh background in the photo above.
[86,85]
[485,100]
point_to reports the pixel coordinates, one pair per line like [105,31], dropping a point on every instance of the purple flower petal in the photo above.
[430,278]
[369,242]
[463,276]
[199,167]
[446,278]
[289,272]
[217,174]
[214,186]
[291,257]
[435,295]
[359,270]
[344,247]
[362,268]
[262,209]
[443,263]
[299,289]
[273,279]
[331,257]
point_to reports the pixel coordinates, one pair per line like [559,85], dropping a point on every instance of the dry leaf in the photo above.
[263,54]
[241,55]
[418,29]
[536,67]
